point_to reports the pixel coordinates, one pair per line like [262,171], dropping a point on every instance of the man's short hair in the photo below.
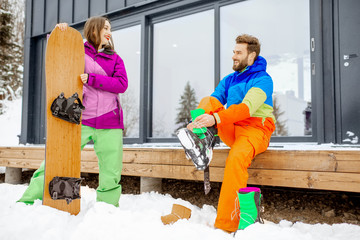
[253,43]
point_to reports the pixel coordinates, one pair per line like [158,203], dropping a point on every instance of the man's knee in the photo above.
[240,157]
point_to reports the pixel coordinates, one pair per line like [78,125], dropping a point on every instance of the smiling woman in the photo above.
[103,79]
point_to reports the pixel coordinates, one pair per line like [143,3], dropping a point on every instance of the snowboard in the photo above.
[64,62]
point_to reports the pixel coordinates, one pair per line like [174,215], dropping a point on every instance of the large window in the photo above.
[127,45]
[183,67]
[283,28]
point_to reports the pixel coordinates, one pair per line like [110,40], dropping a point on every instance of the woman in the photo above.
[102,120]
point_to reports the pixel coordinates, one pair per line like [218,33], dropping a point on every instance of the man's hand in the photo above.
[204,120]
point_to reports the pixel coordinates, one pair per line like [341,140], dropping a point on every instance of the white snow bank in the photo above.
[138,217]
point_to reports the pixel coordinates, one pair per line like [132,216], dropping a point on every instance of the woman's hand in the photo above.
[62,26]
[84,77]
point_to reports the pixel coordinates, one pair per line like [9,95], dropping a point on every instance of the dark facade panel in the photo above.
[113,5]
[81,10]
[51,14]
[38,9]
[133,2]
[66,11]
[36,92]
[348,60]
[335,104]
[97,7]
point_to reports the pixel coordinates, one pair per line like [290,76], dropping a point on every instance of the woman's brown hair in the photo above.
[92,29]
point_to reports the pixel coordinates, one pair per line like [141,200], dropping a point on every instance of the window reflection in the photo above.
[283,28]
[183,68]
[127,45]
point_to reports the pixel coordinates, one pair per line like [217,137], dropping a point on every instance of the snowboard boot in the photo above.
[250,210]
[199,150]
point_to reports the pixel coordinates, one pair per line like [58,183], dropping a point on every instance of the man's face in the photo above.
[240,57]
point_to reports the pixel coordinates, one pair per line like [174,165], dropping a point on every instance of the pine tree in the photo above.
[187,102]
[280,129]
[11,51]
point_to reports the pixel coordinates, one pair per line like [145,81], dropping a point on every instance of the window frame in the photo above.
[173,11]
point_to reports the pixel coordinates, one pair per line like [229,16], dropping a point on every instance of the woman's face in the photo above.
[105,33]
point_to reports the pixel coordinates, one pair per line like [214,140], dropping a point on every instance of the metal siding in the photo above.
[42,16]
[349,63]
[38,8]
[42,91]
[97,7]
[113,5]
[51,15]
[27,60]
[327,59]
[81,10]
[66,11]
[132,2]
[35,93]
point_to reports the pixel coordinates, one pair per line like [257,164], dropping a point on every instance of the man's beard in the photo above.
[241,65]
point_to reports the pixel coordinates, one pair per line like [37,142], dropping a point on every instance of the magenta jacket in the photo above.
[107,78]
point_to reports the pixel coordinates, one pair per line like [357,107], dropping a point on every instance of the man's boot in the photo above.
[199,150]
[250,211]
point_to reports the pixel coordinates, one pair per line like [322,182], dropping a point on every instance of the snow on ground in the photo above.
[10,123]
[139,217]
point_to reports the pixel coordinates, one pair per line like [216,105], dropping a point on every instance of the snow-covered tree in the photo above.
[11,49]
[131,114]
[187,102]
[280,126]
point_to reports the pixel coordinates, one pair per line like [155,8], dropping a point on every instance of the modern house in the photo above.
[311,46]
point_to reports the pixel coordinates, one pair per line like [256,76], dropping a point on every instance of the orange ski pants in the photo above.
[246,139]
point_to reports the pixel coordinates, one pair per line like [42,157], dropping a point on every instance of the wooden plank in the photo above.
[298,179]
[170,171]
[286,160]
[170,163]
[302,179]
[21,163]
[22,152]
[328,161]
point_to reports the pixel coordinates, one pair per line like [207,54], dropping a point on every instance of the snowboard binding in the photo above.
[65,188]
[67,109]
[199,150]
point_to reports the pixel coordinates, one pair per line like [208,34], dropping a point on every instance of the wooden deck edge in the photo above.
[269,169]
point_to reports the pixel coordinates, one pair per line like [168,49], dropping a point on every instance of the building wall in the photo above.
[167,43]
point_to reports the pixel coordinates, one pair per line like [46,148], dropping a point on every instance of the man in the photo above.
[245,126]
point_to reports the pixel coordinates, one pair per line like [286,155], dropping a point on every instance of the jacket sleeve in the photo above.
[117,83]
[254,98]
[220,92]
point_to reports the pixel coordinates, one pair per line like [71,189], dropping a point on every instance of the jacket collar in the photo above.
[258,66]
[91,49]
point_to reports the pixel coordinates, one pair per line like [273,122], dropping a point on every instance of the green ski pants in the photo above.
[108,145]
